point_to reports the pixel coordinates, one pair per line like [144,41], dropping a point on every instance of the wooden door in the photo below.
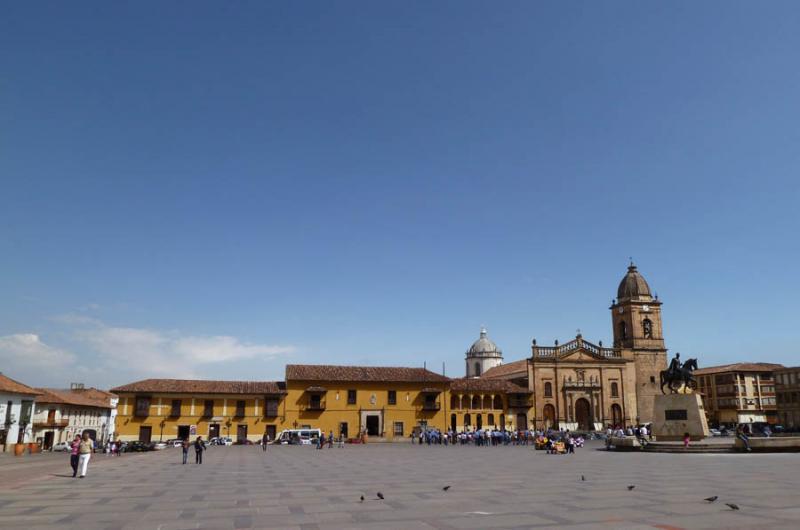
[145,433]
[241,434]
[272,432]
[583,415]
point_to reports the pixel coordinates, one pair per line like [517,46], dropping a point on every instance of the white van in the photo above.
[298,436]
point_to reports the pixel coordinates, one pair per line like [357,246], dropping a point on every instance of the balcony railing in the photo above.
[315,406]
[519,403]
[55,424]
[270,412]
[431,406]
[574,345]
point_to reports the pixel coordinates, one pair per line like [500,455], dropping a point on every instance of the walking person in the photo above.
[264,441]
[199,447]
[185,447]
[73,455]
[85,448]
[330,440]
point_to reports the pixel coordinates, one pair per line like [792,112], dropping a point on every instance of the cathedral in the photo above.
[583,386]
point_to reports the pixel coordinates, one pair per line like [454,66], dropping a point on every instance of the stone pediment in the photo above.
[576,350]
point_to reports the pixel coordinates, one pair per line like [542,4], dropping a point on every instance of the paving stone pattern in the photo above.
[502,487]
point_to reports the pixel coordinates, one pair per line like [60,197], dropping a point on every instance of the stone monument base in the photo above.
[677,414]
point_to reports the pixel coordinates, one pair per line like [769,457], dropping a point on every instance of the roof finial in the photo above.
[483,332]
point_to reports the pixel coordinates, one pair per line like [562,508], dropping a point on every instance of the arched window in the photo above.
[477,369]
[623,331]
[490,420]
[647,328]
[503,422]
[478,421]
[548,389]
[455,402]
[453,422]
[487,402]
[476,402]
[614,390]
[498,403]
[467,420]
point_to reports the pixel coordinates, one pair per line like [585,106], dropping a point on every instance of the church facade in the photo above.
[583,386]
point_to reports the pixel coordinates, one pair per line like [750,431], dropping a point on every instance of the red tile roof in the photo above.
[199,386]
[738,367]
[9,386]
[486,385]
[88,397]
[377,374]
[504,370]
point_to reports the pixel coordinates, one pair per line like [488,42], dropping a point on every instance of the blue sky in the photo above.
[216,189]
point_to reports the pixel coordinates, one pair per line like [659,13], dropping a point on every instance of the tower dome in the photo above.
[484,347]
[633,286]
[482,355]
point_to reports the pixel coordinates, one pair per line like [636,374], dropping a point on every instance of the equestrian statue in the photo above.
[677,375]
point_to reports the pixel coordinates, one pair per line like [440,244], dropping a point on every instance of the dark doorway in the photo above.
[549,413]
[183,432]
[522,422]
[48,440]
[373,425]
[213,431]
[343,430]
[453,422]
[583,415]
[478,421]
[92,434]
[271,432]
[616,415]
[241,434]
[145,433]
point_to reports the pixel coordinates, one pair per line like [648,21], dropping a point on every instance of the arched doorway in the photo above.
[522,422]
[549,413]
[467,421]
[453,422]
[616,415]
[583,415]
[478,421]
[502,422]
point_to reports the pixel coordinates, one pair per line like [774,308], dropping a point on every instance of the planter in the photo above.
[19,450]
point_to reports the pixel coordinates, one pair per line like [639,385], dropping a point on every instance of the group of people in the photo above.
[558,442]
[479,437]
[642,433]
[81,450]
[329,440]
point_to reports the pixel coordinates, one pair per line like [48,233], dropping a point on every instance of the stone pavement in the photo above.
[502,487]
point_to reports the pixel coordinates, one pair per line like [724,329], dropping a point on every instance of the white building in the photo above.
[482,355]
[63,413]
[16,408]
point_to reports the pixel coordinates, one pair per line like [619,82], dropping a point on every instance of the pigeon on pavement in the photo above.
[446,488]
[631,487]
[731,506]
[380,495]
[711,499]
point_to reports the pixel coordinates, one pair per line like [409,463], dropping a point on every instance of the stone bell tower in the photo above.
[636,317]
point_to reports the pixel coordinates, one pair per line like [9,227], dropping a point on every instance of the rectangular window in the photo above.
[175,410]
[142,406]
[392,398]
[398,428]
[351,397]
[240,408]
[271,408]
[208,408]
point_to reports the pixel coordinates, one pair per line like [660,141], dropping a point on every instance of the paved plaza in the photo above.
[501,487]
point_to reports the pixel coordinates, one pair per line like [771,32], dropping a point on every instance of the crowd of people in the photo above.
[495,437]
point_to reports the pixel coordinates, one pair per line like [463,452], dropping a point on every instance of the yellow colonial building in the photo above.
[383,402]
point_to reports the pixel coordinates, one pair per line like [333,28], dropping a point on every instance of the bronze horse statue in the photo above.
[682,376]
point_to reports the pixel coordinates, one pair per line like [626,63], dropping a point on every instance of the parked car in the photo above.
[158,446]
[225,441]
[61,446]
[245,442]
[715,432]
[137,447]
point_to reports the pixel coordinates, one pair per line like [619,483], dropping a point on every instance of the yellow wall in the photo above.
[292,411]
[127,425]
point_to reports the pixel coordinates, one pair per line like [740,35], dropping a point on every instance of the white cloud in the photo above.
[25,357]
[111,355]
[168,353]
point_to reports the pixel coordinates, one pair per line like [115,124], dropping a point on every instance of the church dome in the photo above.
[633,285]
[484,347]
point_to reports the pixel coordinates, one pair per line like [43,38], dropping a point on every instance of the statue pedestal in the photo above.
[676,414]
